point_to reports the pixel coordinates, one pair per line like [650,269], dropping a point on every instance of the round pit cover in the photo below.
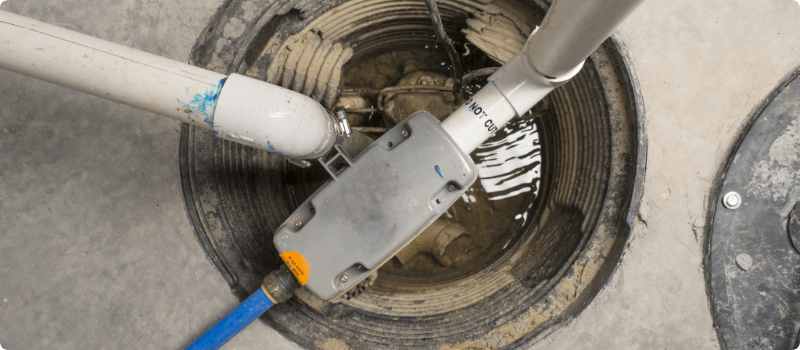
[752,265]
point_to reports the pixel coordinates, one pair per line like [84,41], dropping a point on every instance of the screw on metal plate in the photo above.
[732,200]
[744,261]
[344,279]
[451,188]
[298,224]
[404,133]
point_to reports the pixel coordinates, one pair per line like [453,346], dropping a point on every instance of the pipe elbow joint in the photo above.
[522,84]
[269,117]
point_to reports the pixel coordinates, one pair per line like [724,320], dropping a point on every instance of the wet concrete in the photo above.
[96,251]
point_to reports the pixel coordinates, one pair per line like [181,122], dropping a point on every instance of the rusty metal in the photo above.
[280,285]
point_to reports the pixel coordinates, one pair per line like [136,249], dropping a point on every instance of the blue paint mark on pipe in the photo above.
[272,149]
[202,105]
[438,171]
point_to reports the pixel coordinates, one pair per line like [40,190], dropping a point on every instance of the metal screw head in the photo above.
[404,133]
[344,279]
[732,200]
[298,224]
[451,188]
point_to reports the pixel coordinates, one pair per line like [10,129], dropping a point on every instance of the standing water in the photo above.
[496,209]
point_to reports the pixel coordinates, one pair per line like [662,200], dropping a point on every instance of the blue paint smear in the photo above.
[203,105]
[272,149]
[439,171]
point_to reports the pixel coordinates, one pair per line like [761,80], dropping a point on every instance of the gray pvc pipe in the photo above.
[572,30]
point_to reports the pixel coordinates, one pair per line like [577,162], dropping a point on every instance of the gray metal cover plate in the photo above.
[393,190]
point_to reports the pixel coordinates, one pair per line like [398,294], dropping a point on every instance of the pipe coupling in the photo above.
[280,285]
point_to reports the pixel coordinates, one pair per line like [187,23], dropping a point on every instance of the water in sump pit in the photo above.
[498,206]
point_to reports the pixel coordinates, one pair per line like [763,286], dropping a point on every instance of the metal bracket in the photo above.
[332,162]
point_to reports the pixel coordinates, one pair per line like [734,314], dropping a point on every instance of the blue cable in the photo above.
[244,314]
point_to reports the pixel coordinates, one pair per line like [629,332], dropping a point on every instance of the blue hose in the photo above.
[244,314]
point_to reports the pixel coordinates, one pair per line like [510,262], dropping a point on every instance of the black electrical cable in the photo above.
[438,27]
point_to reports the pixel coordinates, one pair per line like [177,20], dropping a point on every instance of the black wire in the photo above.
[438,27]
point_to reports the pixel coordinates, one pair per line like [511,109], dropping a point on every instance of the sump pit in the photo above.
[549,245]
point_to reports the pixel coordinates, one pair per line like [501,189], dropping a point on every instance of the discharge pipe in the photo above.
[570,32]
[236,107]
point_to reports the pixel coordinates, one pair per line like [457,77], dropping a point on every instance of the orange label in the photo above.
[298,265]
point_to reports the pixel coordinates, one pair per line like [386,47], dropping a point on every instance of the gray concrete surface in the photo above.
[96,251]
[703,67]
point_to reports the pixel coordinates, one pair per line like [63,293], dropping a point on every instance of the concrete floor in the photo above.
[96,251]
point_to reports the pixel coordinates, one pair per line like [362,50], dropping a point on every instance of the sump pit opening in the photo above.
[547,265]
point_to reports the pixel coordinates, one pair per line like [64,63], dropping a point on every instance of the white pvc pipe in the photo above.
[476,120]
[554,53]
[253,112]
[267,116]
[512,91]
[572,30]
[108,70]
